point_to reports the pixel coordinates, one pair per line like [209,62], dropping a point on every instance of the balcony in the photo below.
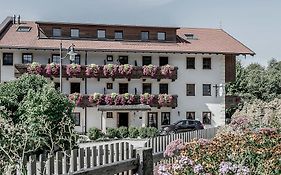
[160,100]
[96,71]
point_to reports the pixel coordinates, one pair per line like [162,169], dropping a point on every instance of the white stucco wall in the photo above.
[197,76]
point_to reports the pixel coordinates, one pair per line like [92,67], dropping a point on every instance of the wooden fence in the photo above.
[108,159]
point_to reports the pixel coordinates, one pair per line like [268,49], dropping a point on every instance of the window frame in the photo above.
[165,37]
[188,60]
[146,57]
[118,31]
[74,29]
[192,113]
[188,93]
[28,54]
[167,86]
[164,114]
[55,55]
[102,30]
[127,87]
[209,119]
[154,117]
[109,85]
[149,85]
[144,39]
[209,93]
[11,63]
[71,89]
[109,114]
[57,85]
[162,58]
[58,29]
[78,56]
[123,57]
[75,115]
[207,63]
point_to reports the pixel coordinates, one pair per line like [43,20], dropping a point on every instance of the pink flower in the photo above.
[73,69]
[146,98]
[173,148]
[34,68]
[125,70]
[52,69]
[167,70]
[76,98]
[92,70]
[110,70]
[164,99]
[149,70]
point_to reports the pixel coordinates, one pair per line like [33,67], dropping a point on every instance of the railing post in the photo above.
[145,161]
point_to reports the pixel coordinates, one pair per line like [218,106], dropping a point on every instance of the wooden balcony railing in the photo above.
[85,102]
[137,73]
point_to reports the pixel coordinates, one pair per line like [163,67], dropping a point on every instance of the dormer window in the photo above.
[118,35]
[23,29]
[144,36]
[190,36]
[101,34]
[161,36]
[74,33]
[56,32]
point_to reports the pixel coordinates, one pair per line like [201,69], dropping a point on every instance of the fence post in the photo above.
[145,161]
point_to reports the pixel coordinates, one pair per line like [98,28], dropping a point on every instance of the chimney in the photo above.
[19,19]
[14,19]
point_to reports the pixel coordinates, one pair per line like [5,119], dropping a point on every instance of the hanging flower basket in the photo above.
[125,70]
[34,68]
[146,99]
[92,70]
[110,98]
[96,98]
[129,98]
[167,71]
[149,70]
[73,69]
[110,70]
[164,99]
[52,69]
[75,98]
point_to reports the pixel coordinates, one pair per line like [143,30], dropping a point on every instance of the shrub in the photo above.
[94,133]
[113,133]
[133,132]
[123,132]
[152,132]
[143,132]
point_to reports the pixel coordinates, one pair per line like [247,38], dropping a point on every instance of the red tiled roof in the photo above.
[209,41]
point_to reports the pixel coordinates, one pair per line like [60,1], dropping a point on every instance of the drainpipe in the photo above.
[86,92]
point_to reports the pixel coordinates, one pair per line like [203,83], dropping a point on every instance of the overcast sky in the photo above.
[256,23]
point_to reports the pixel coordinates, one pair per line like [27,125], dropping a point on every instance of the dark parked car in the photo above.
[182,126]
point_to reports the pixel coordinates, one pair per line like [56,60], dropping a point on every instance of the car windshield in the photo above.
[180,123]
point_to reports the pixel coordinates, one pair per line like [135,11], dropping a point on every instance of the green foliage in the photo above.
[113,133]
[133,132]
[152,132]
[123,132]
[94,133]
[143,132]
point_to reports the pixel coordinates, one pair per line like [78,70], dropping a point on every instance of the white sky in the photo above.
[256,23]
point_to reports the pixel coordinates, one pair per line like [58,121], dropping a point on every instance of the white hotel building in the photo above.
[203,61]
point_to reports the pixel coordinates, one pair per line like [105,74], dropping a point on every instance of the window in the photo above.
[206,63]
[123,88]
[146,60]
[165,118]
[56,58]
[26,58]
[74,88]
[190,63]
[57,86]
[163,61]
[118,35]
[163,88]
[8,59]
[109,114]
[74,33]
[190,115]
[23,29]
[144,36]
[207,118]
[76,60]
[206,89]
[190,89]
[109,86]
[123,59]
[101,34]
[152,119]
[146,88]
[161,36]
[76,116]
[109,58]
[56,32]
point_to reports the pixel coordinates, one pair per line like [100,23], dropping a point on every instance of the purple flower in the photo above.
[198,169]
[173,148]
[185,161]
[225,167]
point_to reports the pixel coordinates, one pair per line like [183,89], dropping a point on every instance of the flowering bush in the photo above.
[110,70]
[255,152]
[52,69]
[146,98]
[92,70]
[164,99]
[125,70]
[110,98]
[34,68]
[96,98]
[167,70]
[149,70]
[73,69]
[75,98]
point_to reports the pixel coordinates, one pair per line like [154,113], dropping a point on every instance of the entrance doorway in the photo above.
[123,119]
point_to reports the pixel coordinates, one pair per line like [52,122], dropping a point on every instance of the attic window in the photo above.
[190,36]
[24,29]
